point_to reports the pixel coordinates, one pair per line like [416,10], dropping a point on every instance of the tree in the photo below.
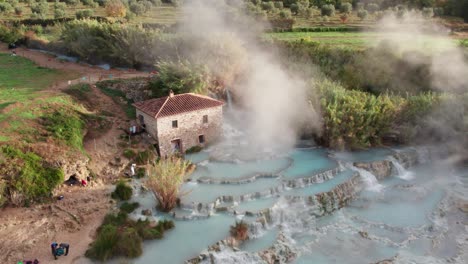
[72,2]
[294,9]
[428,12]
[19,10]
[59,10]
[137,8]
[346,8]
[40,9]
[268,6]
[362,14]
[165,179]
[80,14]
[115,8]
[372,8]
[328,10]
[285,13]
[279,4]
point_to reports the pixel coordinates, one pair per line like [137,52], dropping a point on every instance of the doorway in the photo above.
[176,146]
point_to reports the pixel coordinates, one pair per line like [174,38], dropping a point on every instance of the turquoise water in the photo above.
[207,193]
[307,162]
[261,243]
[322,187]
[186,240]
[254,206]
[364,156]
[233,171]
[403,209]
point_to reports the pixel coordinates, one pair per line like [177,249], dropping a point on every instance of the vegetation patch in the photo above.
[129,153]
[66,126]
[120,236]
[194,149]
[27,177]
[122,191]
[129,207]
[120,98]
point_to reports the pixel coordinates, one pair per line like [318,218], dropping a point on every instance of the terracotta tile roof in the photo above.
[177,104]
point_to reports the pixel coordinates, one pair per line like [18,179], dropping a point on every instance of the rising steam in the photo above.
[274,100]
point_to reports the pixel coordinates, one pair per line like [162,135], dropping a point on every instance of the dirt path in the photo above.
[26,233]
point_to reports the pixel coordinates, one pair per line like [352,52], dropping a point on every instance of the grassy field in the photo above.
[21,99]
[359,40]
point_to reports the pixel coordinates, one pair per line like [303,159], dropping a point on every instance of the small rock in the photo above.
[146,212]
[364,234]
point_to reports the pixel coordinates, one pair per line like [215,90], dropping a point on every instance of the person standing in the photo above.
[66,247]
[54,249]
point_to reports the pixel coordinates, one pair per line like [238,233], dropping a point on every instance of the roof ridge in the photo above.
[162,106]
[204,97]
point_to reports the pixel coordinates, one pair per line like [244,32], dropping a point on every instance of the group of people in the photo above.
[59,250]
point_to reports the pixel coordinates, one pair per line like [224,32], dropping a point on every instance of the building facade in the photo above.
[180,122]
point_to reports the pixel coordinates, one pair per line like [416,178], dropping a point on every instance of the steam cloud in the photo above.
[448,68]
[275,101]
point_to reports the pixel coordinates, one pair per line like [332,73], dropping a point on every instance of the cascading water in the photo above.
[369,180]
[401,172]
[229,99]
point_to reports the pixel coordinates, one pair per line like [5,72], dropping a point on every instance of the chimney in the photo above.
[171,93]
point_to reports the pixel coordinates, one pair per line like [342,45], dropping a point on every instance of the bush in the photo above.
[346,8]
[372,8]
[362,14]
[144,157]
[140,173]
[294,9]
[90,3]
[278,4]
[240,231]
[354,119]
[6,8]
[129,154]
[19,10]
[137,8]
[328,10]
[10,35]
[120,236]
[428,12]
[164,180]
[40,9]
[156,2]
[438,11]
[194,149]
[72,2]
[129,207]
[268,6]
[286,13]
[115,8]
[122,191]
[59,10]
[80,14]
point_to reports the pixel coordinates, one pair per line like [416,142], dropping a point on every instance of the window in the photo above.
[201,139]
[205,119]
[174,124]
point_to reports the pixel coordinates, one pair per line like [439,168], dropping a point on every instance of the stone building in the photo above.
[179,122]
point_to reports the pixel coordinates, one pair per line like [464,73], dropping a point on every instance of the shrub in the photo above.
[268,6]
[129,207]
[90,3]
[19,10]
[144,157]
[40,9]
[309,12]
[194,149]
[140,173]
[5,7]
[59,10]
[80,14]
[120,236]
[328,10]
[10,35]
[278,4]
[346,8]
[355,119]
[362,14]
[428,12]
[129,154]
[438,11]
[137,8]
[122,191]
[156,2]
[115,8]
[286,13]
[294,9]
[240,231]
[101,2]
[372,8]
[164,180]
[72,2]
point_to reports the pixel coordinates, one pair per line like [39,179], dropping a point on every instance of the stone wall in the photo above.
[150,122]
[190,127]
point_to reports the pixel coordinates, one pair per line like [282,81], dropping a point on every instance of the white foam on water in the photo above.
[369,180]
[401,172]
